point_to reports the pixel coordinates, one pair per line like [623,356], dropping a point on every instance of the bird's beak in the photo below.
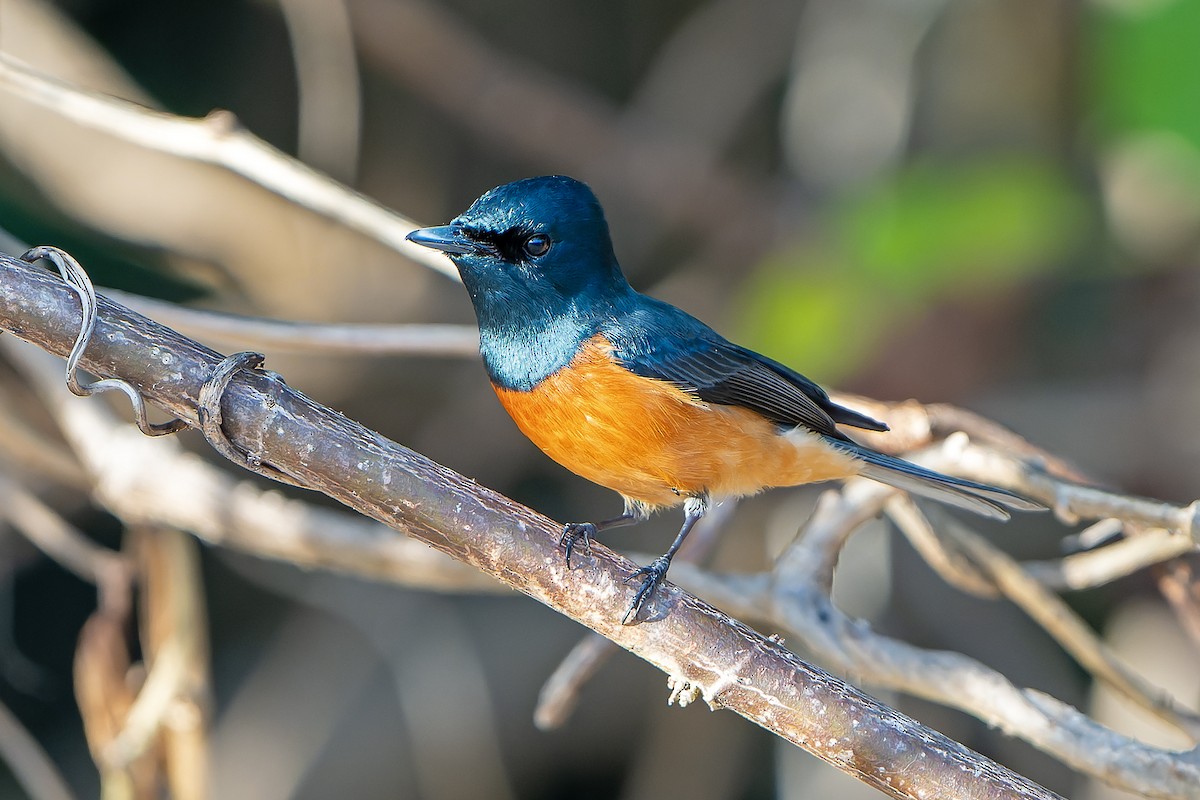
[447,238]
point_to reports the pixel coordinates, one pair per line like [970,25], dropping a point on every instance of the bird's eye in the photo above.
[537,245]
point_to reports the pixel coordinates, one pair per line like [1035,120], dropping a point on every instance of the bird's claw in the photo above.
[575,533]
[654,573]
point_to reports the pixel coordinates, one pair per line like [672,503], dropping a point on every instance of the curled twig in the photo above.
[208,409]
[75,277]
[727,664]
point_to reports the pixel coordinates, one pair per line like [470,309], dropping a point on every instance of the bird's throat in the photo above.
[520,356]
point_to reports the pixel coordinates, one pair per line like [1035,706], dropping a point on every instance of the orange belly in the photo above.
[657,444]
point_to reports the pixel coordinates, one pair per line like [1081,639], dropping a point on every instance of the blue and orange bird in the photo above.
[636,395]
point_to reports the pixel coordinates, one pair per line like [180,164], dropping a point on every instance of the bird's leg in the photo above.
[576,532]
[694,509]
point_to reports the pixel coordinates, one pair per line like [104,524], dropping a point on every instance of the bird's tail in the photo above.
[980,498]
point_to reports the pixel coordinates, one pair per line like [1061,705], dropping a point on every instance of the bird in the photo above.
[637,395]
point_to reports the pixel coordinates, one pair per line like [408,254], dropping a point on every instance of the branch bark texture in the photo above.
[707,654]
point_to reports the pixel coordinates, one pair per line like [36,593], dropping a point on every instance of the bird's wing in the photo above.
[675,347]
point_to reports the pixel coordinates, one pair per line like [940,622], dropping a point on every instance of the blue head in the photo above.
[538,263]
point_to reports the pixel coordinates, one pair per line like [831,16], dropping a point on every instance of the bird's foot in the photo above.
[654,573]
[575,533]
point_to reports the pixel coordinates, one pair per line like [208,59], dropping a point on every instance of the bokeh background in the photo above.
[994,203]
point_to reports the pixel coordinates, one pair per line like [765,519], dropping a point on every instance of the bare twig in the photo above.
[172,706]
[30,764]
[795,596]
[430,50]
[1012,461]
[1106,564]
[915,425]
[157,482]
[974,565]
[29,451]
[560,692]
[953,567]
[307,337]
[1072,502]
[1074,572]
[104,692]
[706,652]
[1180,585]
[218,140]
[1057,618]
[57,538]
[945,420]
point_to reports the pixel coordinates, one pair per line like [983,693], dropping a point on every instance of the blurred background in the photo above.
[992,203]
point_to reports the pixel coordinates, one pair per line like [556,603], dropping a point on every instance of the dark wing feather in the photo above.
[780,393]
[694,357]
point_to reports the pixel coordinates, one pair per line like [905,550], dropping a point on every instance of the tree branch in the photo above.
[795,597]
[217,139]
[706,653]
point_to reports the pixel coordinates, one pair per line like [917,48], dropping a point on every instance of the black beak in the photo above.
[447,238]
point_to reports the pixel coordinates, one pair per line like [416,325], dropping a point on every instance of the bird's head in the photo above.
[539,241]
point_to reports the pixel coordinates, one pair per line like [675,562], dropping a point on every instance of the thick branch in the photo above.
[715,657]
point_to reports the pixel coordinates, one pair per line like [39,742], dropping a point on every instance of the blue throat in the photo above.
[521,357]
[525,338]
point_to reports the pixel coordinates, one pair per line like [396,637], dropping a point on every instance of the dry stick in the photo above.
[429,49]
[1073,502]
[218,140]
[309,337]
[1180,585]
[57,538]
[27,451]
[1048,610]
[560,693]
[952,566]
[795,599]
[1004,574]
[1106,564]
[104,694]
[173,623]
[289,529]
[1061,622]
[31,766]
[947,419]
[716,657]
[159,482]
[1085,570]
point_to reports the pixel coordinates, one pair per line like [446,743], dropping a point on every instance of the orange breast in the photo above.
[655,443]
